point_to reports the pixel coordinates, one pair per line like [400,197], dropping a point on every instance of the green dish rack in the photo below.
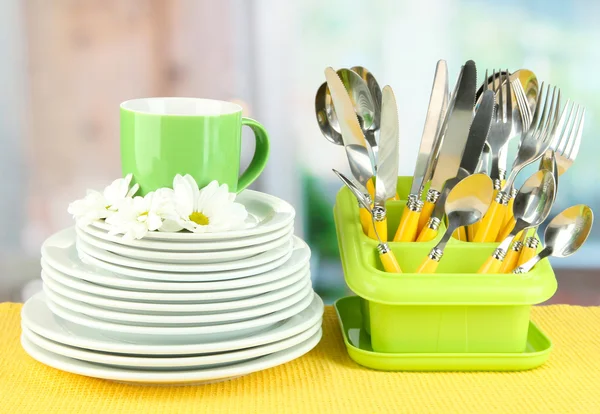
[454,310]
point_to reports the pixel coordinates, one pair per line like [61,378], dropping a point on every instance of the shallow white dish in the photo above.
[60,252]
[175,377]
[142,318]
[38,317]
[218,256]
[168,362]
[181,334]
[115,259]
[191,246]
[266,213]
[170,296]
[125,305]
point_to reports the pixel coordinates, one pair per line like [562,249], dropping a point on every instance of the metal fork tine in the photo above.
[544,112]
[485,86]
[562,129]
[575,148]
[572,136]
[522,104]
[501,114]
[548,109]
[536,114]
[508,98]
[556,111]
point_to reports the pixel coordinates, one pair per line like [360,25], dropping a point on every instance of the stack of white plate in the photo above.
[176,307]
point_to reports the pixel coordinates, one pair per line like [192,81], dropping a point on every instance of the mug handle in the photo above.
[261,154]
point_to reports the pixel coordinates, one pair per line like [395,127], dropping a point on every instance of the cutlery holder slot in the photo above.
[453,310]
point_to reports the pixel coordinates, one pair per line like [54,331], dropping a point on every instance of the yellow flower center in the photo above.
[199,218]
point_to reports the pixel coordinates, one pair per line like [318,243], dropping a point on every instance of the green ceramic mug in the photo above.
[162,137]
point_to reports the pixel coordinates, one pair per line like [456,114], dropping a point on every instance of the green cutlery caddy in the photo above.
[452,311]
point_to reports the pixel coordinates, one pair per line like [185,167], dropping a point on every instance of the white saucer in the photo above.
[181,334]
[191,246]
[188,376]
[266,213]
[257,260]
[37,317]
[219,256]
[169,296]
[169,362]
[171,319]
[61,254]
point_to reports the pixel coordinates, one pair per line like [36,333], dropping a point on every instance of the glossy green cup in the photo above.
[163,137]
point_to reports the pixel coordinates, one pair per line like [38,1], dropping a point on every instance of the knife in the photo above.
[387,257]
[458,121]
[478,133]
[353,137]
[430,144]
[387,161]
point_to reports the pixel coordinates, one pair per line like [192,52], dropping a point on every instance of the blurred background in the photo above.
[67,64]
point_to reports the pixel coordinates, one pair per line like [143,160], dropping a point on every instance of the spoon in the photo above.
[532,205]
[326,117]
[387,257]
[376,91]
[564,235]
[466,204]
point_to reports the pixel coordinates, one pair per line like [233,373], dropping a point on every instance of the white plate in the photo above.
[266,213]
[174,320]
[169,362]
[177,308]
[60,253]
[181,334]
[183,257]
[37,317]
[192,246]
[169,296]
[176,377]
[119,260]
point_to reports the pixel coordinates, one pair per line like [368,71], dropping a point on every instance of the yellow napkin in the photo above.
[326,380]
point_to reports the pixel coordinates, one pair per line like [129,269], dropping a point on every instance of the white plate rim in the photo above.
[284,214]
[181,376]
[85,320]
[38,317]
[168,361]
[151,244]
[252,261]
[183,257]
[175,320]
[171,296]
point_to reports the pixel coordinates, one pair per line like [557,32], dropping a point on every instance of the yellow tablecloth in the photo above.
[326,380]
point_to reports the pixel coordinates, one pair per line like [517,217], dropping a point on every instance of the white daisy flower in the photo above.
[100,205]
[139,215]
[209,210]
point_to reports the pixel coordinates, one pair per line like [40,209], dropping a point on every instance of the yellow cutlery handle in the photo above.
[526,254]
[506,230]
[472,230]
[365,219]
[425,215]
[429,265]
[427,234]
[381,227]
[389,262]
[371,188]
[490,224]
[510,261]
[460,234]
[409,224]
[491,265]
[396,197]
[509,213]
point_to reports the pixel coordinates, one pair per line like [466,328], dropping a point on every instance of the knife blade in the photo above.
[354,189]
[352,135]
[456,133]
[387,161]
[430,139]
[478,132]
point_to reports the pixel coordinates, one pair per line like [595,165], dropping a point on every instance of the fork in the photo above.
[534,144]
[500,130]
[559,158]
[525,113]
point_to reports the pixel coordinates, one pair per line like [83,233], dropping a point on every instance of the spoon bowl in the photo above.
[326,118]
[469,200]
[534,200]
